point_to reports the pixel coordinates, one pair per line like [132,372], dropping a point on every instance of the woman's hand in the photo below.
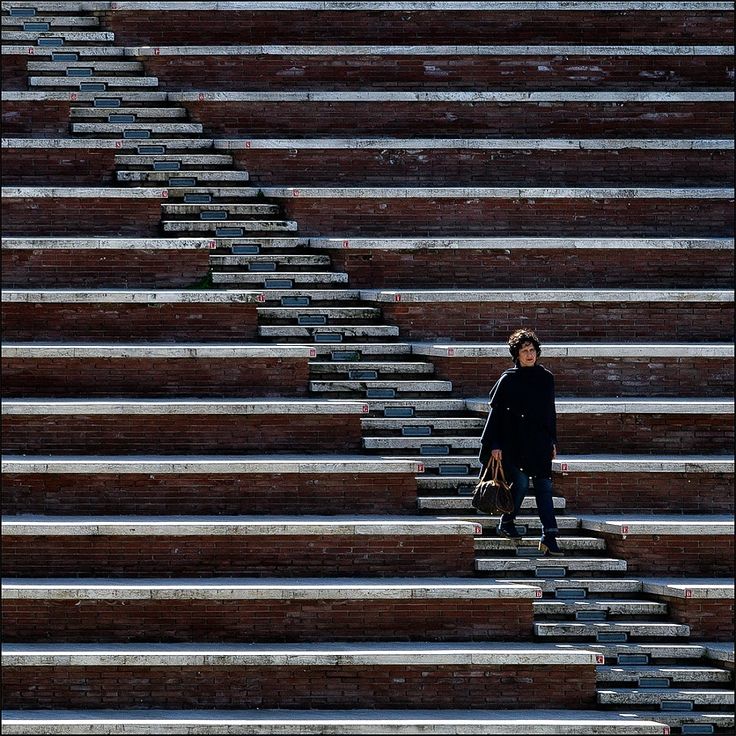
[496,455]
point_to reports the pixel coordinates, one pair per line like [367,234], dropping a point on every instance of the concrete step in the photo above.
[468,467]
[364,721]
[583,587]
[151,127]
[695,721]
[101,114]
[185,159]
[648,652]
[674,673]
[387,367]
[368,387]
[501,545]
[345,332]
[655,696]
[249,208]
[72,36]
[330,314]
[587,629]
[283,261]
[611,607]
[312,296]
[233,228]
[355,351]
[54,21]
[381,424]
[417,406]
[566,565]
[279,278]
[447,503]
[166,176]
[409,444]
[124,82]
[64,67]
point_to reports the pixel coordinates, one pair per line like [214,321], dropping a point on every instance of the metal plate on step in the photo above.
[50,42]
[697,728]
[362,375]
[196,198]
[591,615]
[166,166]
[116,117]
[294,301]
[328,337]
[278,284]
[230,232]
[454,470]
[550,572]
[434,449]
[64,56]
[398,412]
[380,393]
[245,250]
[410,431]
[632,659]
[136,134]
[213,215]
[22,12]
[529,552]
[183,181]
[570,594]
[341,356]
[263,267]
[103,102]
[681,705]
[612,637]
[35,27]
[657,682]
[92,86]
[73,71]
[309,319]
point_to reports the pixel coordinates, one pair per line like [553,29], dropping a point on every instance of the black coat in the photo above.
[522,422]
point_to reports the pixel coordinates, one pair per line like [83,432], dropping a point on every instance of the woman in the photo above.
[521,432]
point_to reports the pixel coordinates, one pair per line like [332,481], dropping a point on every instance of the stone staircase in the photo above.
[414,416]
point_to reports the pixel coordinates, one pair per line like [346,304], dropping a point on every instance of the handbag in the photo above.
[493,496]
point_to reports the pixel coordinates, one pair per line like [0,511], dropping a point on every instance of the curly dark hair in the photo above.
[518,338]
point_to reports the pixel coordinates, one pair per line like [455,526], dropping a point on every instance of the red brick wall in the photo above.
[341,492]
[65,166]
[275,555]
[297,686]
[390,216]
[100,268]
[427,71]
[565,320]
[14,72]
[164,322]
[673,555]
[548,268]
[708,619]
[43,119]
[650,493]
[484,119]
[467,167]
[151,377]
[92,216]
[402,27]
[596,377]
[267,621]
[660,434]
[216,434]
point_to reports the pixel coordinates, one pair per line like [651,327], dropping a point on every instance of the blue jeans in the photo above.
[542,492]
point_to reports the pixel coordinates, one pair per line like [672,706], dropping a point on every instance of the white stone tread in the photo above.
[109,82]
[659,524]
[405,386]
[654,696]
[593,586]
[634,405]
[146,296]
[318,722]
[592,628]
[441,503]
[410,443]
[567,543]
[676,673]
[691,587]
[229,525]
[572,564]
[261,588]
[612,607]
[344,330]
[166,176]
[297,277]
[151,350]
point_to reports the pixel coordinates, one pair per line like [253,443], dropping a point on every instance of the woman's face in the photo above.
[527,355]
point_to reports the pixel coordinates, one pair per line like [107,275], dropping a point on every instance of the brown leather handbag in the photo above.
[493,496]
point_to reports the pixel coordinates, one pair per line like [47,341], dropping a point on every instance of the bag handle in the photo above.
[498,470]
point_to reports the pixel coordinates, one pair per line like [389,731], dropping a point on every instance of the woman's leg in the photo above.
[545,505]
[519,488]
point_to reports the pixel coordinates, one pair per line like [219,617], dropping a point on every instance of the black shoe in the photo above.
[549,547]
[508,529]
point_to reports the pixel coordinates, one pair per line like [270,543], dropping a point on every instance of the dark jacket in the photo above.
[522,422]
